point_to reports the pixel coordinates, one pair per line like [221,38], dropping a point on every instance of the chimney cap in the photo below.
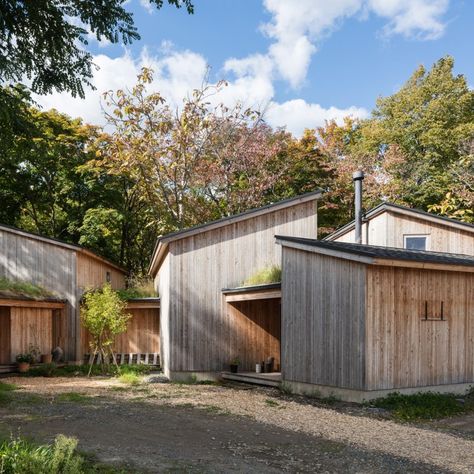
[359,174]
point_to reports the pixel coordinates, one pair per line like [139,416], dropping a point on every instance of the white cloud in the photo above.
[147,6]
[296,115]
[295,28]
[298,25]
[176,74]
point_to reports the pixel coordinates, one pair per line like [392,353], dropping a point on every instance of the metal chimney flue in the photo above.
[358,177]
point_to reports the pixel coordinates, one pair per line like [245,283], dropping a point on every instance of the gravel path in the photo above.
[442,451]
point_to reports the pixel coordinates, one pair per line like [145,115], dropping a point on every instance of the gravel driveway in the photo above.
[200,428]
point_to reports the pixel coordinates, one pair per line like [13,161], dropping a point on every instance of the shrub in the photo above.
[103,315]
[25,358]
[138,288]
[18,456]
[265,276]
[130,379]
[420,406]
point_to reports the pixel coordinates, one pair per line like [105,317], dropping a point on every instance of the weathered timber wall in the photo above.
[142,334]
[200,330]
[403,350]
[255,331]
[323,309]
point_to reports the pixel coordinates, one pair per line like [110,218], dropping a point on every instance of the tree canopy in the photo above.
[161,168]
[44,39]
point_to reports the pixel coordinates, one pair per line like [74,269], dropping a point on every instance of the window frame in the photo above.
[409,236]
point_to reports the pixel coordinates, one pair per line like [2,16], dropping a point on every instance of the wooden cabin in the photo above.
[360,321]
[191,267]
[64,269]
[391,225]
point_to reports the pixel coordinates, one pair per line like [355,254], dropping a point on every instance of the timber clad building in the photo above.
[192,267]
[65,270]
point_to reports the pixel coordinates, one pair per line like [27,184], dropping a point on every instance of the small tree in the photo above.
[103,315]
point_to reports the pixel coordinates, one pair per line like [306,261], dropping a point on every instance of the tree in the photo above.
[423,127]
[103,315]
[191,164]
[43,40]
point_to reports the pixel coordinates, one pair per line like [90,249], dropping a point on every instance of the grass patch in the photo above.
[285,388]
[130,379]
[271,403]
[73,397]
[264,276]
[23,288]
[6,395]
[51,370]
[420,406]
[7,387]
[18,456]
[138,288]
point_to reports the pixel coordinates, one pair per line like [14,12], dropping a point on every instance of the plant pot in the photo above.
[234,368]
[23,367]
[46,358]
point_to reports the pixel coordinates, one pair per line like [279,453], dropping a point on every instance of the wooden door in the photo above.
[5,334]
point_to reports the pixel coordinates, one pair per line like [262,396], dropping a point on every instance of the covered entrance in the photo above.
[254,315]
[26,323]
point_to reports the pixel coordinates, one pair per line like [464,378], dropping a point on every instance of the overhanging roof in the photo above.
[161,246]
[407,211]
[59,243]
[371,254]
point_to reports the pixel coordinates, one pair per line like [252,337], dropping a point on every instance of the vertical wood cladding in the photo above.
[193,308]
[323,311]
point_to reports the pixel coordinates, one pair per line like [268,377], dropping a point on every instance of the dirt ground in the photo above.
[208,428]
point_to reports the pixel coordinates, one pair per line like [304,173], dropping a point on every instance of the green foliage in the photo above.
[27,357]
[44,370]
[45,41]
[23,288]
[266,275]
[18,456]
[103,315]
[130,379]
[285,388]
[420,406]
[6,395]
[74,397]
[138,288]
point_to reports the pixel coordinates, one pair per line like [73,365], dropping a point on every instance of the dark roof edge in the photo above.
[386,206]
[369,252]
[245,289]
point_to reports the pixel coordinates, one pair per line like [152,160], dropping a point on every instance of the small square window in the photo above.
[415,242]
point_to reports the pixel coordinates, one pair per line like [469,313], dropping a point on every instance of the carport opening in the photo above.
[255,318]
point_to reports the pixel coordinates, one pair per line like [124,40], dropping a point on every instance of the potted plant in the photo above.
[35,353]
[24,361]
[46,358]
[234,365]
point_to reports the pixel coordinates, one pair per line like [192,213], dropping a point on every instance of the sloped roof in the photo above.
[396,208]
[374,254]
[58,243]
[162,242]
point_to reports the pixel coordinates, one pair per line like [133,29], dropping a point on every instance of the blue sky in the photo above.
[305,61]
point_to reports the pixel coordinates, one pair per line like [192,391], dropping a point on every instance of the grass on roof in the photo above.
[23,288]
[138,288]
[264,276]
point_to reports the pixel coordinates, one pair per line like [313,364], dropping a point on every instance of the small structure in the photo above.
[141,341]
[63,269]
[25,321]
[391,225]
[192,266]
[361,321]
[254,313]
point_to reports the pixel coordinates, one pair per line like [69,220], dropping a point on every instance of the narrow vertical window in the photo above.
[107,277]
